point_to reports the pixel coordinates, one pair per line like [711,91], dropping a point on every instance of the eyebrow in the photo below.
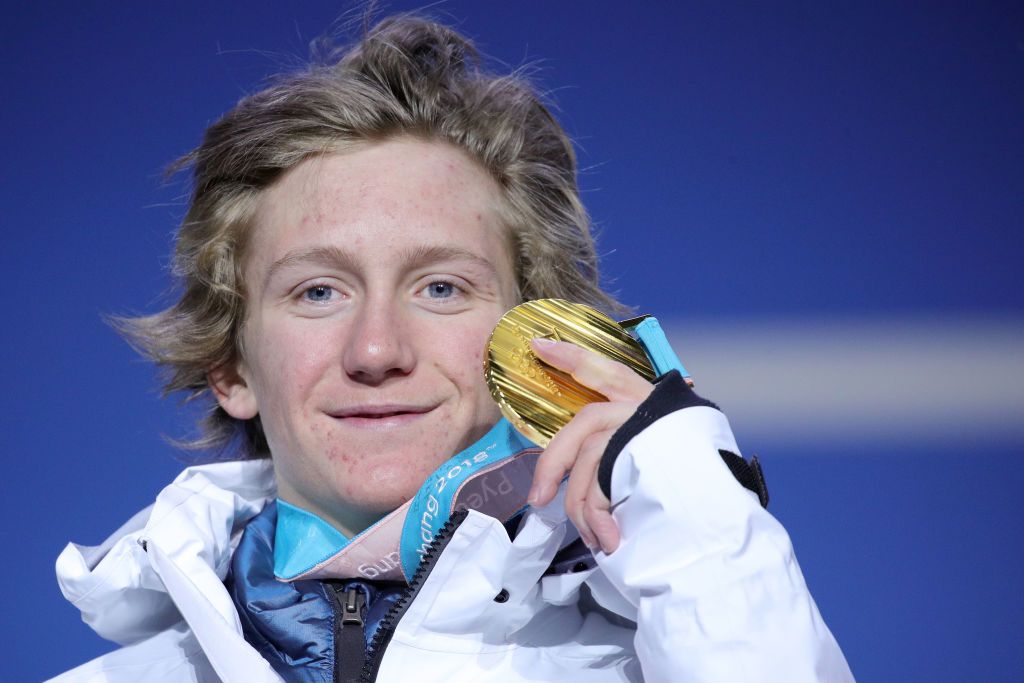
[426,254]
[326,256]
[415,257]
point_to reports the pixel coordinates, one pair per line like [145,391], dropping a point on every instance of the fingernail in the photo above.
[537,493]
[543,343]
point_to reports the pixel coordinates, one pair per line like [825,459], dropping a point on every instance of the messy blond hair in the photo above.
[406,76]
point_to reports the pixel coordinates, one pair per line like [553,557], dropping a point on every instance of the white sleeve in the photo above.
[717,591]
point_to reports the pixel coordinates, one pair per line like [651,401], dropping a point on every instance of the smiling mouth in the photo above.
[381,417]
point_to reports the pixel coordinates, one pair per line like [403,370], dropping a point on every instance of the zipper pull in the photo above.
[349,634]
[352,609]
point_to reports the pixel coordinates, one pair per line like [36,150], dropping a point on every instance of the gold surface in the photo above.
[535,397]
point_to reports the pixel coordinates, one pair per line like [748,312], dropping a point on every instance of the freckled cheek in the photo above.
[289,366]
[464,353]
[464,364]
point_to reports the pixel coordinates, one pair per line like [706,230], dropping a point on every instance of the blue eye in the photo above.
[319,294]
[440,290]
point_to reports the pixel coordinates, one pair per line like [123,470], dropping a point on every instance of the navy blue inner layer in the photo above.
[292,624]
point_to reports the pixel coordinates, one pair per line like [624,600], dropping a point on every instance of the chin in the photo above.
[391,489]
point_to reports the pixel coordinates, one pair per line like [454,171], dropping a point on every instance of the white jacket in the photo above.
[705,577]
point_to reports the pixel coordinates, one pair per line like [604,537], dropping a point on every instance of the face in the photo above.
[373,280]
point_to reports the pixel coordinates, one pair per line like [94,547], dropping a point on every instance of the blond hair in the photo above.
[406,76]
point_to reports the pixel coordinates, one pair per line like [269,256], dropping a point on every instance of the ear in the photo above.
[233,392]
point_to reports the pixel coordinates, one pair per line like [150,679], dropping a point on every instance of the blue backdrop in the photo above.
[793,167]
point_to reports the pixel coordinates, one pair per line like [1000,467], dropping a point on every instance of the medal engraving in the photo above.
[535,397]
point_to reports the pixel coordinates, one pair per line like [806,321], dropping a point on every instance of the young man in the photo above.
[355,233]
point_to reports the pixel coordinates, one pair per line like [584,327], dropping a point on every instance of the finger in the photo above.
[583,474]
[598,516]
[611,378]
[560,455]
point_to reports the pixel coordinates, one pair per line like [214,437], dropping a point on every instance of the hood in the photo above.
[197,521]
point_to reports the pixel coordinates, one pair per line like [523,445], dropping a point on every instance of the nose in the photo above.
[378,347]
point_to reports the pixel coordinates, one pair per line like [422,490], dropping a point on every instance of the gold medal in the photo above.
[535,397]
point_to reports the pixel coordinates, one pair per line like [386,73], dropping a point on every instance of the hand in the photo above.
[577,448]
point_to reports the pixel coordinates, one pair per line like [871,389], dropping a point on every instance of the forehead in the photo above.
[379,197]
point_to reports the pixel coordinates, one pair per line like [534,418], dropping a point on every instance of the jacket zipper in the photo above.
[381,639]
[349,632]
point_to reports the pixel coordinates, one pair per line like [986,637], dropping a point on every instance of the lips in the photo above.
[380,411]
[372,415]
[380,416]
